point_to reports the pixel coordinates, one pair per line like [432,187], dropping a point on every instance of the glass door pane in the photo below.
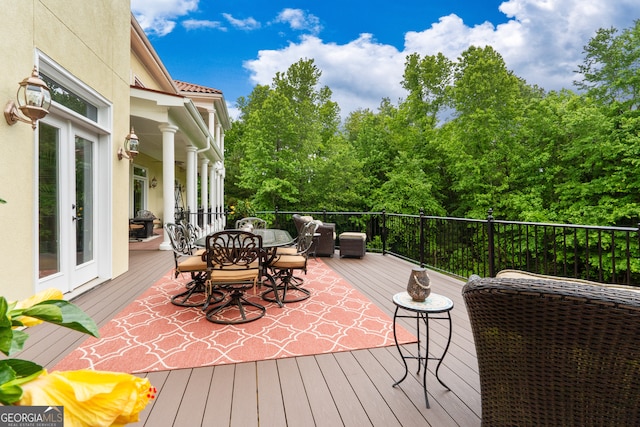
[84,207]
[48,196]
[139,194]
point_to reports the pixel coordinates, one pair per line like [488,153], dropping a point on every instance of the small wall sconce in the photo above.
[34,101]
[130,149]
[153,183]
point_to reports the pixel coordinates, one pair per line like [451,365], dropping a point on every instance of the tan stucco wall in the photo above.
[91,40]
[138,70]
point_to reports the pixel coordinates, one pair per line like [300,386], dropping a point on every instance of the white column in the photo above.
[212,193]
[204,185]
[192,178]
[221,190]
[168,178]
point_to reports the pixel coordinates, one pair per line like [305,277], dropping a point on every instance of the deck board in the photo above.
[348,389]
[270,399]
[296,402]
[318,395]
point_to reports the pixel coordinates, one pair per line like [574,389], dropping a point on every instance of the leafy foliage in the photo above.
[470,135]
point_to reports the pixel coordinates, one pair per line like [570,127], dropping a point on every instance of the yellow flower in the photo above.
[47,294]
[90,398]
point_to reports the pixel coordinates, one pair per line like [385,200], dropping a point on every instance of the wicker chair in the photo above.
[555,353]
[325,243]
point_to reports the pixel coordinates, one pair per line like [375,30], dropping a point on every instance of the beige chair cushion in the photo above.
[191,264]
[518,274]
[232,274]
[287,251]
[289,261]
[306,218]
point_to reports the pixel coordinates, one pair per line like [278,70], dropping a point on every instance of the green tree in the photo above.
[481,146]
[287,139]
[611,68]
[428,81]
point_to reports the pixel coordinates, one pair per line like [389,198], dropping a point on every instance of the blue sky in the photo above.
[361,45]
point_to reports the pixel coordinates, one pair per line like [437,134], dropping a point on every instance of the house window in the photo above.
[140,188]
[71,100]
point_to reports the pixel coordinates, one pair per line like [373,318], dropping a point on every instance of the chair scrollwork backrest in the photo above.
[305,239]
[178,237]
[192,231]
[234,249]
[251,223]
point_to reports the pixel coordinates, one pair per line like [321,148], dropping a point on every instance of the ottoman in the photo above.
[352,244]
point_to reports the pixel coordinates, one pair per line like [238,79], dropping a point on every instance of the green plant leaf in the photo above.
[17,341]
[5,322]
[7,373]
[6,340]
[14,373]
[10,393]
[24,370]
[63,313]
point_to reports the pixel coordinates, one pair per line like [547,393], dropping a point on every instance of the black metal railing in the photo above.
[461,247]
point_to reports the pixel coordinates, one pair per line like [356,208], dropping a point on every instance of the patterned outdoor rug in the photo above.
[151,334]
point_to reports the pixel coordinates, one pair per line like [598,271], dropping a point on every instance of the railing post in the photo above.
[275,217]
[324,215]
[384,232]
[422,237]
[491,244]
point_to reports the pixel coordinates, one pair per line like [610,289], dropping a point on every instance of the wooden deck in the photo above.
[339,389]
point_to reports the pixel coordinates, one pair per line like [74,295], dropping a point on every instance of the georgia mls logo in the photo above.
[31,416]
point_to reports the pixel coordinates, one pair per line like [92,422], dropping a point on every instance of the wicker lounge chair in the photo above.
[325,243]
[556,353]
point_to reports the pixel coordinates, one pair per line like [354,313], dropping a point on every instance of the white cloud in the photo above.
[542,42]
[158,16]
[299,20]
[359,73]
[195,24]
[243,24]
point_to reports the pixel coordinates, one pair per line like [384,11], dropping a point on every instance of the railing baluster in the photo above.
[469,246]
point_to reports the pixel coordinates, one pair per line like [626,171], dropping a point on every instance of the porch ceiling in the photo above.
[150,109]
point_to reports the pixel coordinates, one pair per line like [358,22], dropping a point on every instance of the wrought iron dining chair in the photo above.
[286,287]
[186,261]
[235,265]
[251,222]
[193,232]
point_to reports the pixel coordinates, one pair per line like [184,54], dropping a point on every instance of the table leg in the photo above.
[446,348]
[425,318]
[395,338]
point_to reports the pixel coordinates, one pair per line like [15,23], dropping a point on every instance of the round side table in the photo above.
[422,311]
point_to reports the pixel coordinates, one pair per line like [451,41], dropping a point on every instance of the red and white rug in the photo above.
[151,334]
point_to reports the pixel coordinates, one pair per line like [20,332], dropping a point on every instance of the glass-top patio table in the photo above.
[271,238]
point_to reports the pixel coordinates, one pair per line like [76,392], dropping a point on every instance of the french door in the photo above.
[67,205]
